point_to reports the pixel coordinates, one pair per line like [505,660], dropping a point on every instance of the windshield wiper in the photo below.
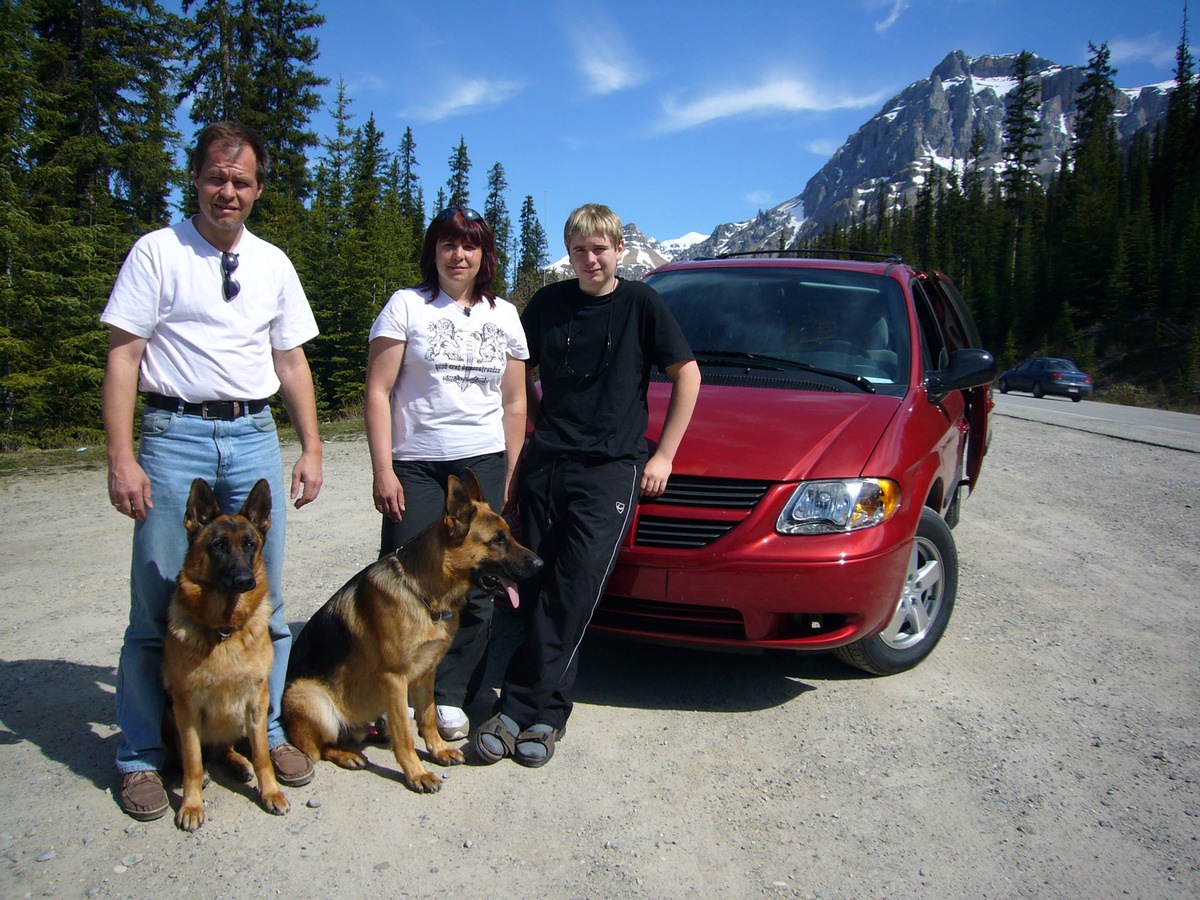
[778,364]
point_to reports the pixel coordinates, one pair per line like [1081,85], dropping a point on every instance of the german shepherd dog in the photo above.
[373,647]
[217,654]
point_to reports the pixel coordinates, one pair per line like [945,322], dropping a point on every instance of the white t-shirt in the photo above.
[446,403]
[200,346]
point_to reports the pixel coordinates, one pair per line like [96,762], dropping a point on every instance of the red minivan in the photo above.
[843,416]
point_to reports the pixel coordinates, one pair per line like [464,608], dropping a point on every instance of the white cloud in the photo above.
[1154,49]
[758,198]
[898,6]
[773,95]
[605,58]
[467,96]
[822,146]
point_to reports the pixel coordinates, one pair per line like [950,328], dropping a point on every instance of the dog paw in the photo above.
[275,802]
[424,782]
[449,757]
[238,766]
[347,759]
[190,817]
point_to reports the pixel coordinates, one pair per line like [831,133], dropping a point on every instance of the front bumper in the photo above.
[758,589]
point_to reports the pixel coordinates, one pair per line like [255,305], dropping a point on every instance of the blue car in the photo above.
[1043,375]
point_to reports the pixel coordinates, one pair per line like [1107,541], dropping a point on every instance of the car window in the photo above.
[960,327]
[934,354]
[843,321]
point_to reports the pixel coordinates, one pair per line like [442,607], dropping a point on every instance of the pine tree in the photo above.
[460,175]
[219,47]
[326,265]
[1085,207]
[533,256]
[284,96]
[88,132]
[251,61]
[409,186]
[109,63]
[495,210]
[1021,128]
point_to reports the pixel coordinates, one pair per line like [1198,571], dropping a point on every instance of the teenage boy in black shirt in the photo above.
[596,339]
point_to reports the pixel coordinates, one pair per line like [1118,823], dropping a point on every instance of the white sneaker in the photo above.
[453,724]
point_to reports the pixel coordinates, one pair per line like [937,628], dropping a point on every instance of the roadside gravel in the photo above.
[1048,748]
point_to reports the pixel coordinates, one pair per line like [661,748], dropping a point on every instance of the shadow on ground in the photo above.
[53,704]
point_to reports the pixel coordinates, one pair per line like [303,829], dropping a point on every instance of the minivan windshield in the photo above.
[845,322]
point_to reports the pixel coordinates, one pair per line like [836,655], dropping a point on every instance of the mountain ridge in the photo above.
[932,122]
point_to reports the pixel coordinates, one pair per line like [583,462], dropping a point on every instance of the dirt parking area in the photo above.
[1048,748]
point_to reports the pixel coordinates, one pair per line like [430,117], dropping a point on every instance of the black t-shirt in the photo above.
[594,390]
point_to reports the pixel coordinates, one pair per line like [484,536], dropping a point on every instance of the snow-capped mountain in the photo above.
[929,124]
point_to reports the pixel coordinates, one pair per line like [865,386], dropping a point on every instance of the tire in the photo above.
[1037,390]
[1075,398]
[1004,385]
[923,610]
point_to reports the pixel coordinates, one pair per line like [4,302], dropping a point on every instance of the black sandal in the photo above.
[494,727]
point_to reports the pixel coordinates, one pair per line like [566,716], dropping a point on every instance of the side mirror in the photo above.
[970,368]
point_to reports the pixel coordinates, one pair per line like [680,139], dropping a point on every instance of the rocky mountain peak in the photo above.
[930,125]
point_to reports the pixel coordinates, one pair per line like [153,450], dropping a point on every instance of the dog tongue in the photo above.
[510,588]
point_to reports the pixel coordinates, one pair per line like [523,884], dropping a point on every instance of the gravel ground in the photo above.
[1047,749]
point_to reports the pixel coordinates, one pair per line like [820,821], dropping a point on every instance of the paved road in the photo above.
[1177,431]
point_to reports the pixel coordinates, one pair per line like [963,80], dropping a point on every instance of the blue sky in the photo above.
[681,116]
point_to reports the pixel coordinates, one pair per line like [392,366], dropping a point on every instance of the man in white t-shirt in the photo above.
[207,322]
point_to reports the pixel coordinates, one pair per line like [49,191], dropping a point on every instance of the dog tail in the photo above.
[311,718]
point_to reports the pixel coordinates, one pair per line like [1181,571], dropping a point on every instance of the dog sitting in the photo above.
[374,646]
[217,654]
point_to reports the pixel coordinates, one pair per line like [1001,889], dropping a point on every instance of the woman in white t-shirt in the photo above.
[445,391]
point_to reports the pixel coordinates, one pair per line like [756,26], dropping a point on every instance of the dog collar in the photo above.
[443,616]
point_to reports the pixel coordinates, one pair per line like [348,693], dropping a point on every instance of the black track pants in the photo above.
[574,514]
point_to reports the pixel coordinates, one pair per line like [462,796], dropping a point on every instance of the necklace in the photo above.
[605,354]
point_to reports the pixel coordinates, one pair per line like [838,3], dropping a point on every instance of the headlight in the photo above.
[827,507]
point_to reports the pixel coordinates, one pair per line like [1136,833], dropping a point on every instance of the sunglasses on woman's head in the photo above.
[467,213]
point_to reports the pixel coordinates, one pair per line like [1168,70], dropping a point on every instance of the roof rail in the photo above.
[818,252]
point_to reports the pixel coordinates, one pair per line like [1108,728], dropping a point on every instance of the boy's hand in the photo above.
[655,475]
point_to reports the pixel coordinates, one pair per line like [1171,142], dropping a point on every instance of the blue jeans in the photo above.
[231,457]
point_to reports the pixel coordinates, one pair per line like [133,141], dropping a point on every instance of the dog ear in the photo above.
[202,506]
[257,507]
[459,508]
[471,483]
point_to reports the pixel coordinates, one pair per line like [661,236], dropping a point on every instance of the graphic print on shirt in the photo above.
[465,357]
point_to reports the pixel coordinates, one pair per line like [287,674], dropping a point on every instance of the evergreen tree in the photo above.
[533,256]
[1085,208]
[460,174]
[408,186]
[284,95]
[251,61]
[1021,128]
[495,210]
[326,266]
[217,61]
[108,63]
[87,168]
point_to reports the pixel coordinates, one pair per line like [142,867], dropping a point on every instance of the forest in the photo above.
[1096,264]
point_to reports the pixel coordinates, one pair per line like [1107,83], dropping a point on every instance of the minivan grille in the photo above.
[718,493]
[691,491]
